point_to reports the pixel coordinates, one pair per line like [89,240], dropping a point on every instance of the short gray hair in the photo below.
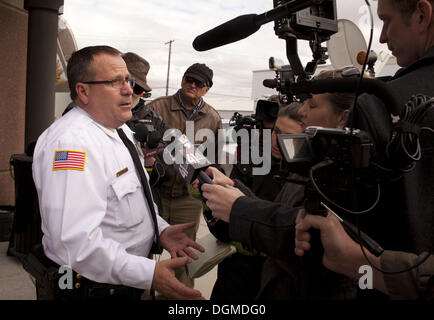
[290,111]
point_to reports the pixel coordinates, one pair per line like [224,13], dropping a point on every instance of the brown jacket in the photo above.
[414,284]
[174,116]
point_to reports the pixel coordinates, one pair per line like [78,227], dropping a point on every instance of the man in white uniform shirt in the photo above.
[95,217]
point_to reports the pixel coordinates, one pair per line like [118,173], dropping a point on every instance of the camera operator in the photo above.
[403,220]
[139,68]
[344,256]
[263,186]
[270,228]
[239,276]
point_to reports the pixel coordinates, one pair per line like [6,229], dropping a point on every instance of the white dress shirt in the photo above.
[95,217]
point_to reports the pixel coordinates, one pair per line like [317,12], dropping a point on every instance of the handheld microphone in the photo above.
[152,138]
[141,133]
[193,165]
[154,144]
[187,160]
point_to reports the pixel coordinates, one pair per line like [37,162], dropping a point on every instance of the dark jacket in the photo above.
[238,277]
[404,219]
[270,228]
[262,186]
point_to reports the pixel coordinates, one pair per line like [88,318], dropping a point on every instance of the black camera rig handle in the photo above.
[314,205]
[355,233]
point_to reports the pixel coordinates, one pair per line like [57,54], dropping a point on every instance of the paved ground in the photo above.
[16,283]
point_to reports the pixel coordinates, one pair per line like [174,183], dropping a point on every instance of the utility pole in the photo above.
[168,66]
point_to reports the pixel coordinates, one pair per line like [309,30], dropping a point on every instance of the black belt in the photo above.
[82,288]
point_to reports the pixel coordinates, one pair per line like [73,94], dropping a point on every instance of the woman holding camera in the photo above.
[270,227]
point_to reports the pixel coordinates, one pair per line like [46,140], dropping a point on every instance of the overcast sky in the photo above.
[145,26]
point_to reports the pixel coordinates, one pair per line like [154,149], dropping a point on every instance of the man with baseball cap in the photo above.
[186,104]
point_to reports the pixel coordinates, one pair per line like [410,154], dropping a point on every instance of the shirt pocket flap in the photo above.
[125,184]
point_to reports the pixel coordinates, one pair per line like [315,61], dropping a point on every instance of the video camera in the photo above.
[282,81]
[342,164]
[263,118]
[265,111]
[338,165]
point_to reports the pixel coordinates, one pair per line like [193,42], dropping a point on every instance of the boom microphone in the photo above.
[236,29]
[243,26]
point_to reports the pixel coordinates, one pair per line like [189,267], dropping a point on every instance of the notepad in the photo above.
[213,255]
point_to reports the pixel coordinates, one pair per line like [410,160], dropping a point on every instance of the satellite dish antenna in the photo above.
[344,45]
[66,45]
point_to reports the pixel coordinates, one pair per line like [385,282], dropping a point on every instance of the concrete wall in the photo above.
[13,53]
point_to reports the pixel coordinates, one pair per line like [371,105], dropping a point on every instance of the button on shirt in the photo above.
[95,217]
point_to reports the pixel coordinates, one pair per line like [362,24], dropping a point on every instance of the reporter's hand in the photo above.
[219,177]
[164,281]
[220,199]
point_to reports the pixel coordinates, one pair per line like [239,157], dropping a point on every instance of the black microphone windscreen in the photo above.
[228,32]
[141,132]
[270,83]
[154,139]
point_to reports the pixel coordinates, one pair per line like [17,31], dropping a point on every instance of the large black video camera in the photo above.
[263,118]
[338,165]
[266,111]
[282,81]
[344,166]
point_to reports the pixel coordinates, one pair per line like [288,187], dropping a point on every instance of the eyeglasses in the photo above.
[116,83]
[198,83]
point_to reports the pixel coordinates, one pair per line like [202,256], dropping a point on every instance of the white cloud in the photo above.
[144,26]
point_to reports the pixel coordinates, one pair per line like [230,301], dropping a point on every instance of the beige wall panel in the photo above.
[13,53]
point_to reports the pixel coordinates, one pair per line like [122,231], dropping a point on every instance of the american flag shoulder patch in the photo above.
[69,159]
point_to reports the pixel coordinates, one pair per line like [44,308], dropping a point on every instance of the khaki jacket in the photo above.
[414,284]
[174,116]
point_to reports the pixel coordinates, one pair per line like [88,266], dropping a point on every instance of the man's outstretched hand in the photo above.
[174,240]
